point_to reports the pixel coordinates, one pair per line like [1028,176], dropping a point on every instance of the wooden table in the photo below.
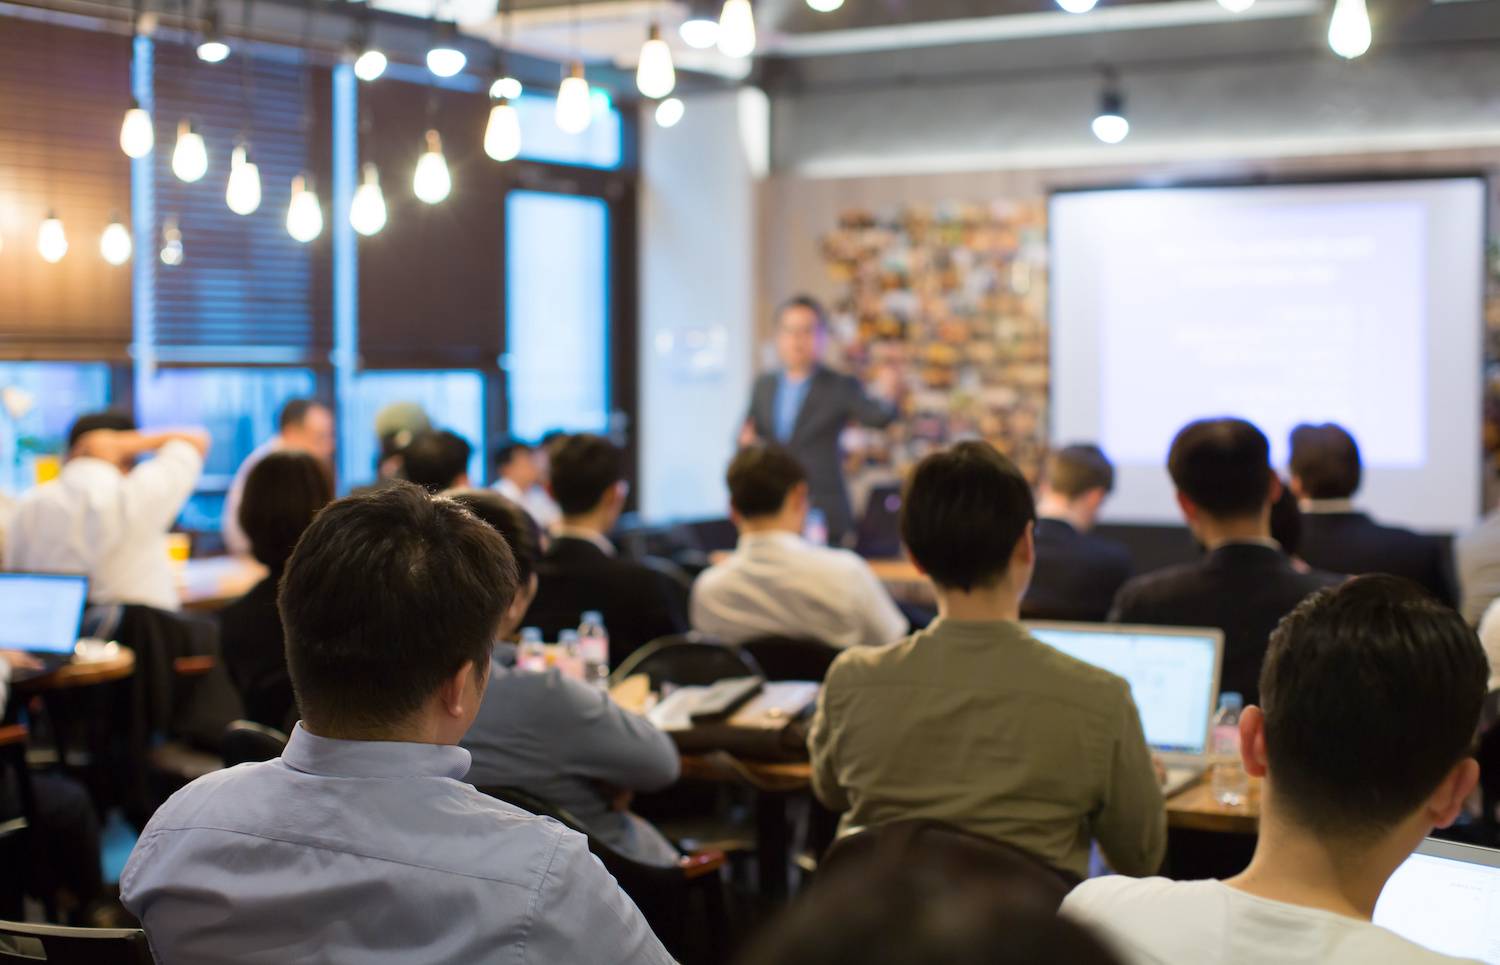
[85,674]
[214,582]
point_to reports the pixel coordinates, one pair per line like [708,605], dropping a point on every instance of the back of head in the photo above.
[510,521]
[283,493]
[399,417]
[1223,466]
[760,478]
[387,595]
[584,467]
[964,511]
[1371,694]
[1076,470]
[436,459]
[98,421]
[507,449]
[295,412]
[1325,461]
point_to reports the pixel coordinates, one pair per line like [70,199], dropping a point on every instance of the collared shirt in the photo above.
[109,525]
[559,739]
[1262,541]
[980,725]
[778,584]
[1325,506]
[540,506]
[371,852]
[564,531]
[790,394]
[235,540]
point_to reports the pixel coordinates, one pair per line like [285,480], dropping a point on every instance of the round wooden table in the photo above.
[80,674]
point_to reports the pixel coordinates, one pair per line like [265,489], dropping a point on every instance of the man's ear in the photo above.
[1253,741]
[1188,507]
[1025,551]
[1447,801]
[455,690]
[1276,487]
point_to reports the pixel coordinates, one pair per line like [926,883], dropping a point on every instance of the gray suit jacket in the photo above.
[833,401]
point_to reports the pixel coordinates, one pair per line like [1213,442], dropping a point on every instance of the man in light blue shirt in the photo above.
[361,844]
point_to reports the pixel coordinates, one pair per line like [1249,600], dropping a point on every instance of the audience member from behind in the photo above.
[437,460]
[778,584]
[395,427]
[1286,525]
[965,722]
[108,514]
[1246,583]
[305,425]
[1336,537]
[1371,694]
[283,494]
[1077,573]
[520,471]
[362,842]
[559,739]
[582,570]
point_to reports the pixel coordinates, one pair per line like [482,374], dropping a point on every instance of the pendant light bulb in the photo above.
[115,245]
[737,29]
[432,182]
[1110,124]
[367,211]
[574,102]
[370,64]
[136,136]
[825,6]
[1077,6]
[190,156]
[1349,29]
[444,58]
[1236,6]
[212,50]
[502,136]
[699,33]
[655,76]
[243,193]
[171,243]
[669,112]
[51,240]
[304,216]
[506,87]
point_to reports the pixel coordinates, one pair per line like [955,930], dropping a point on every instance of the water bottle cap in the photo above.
[568,636]
[1231,699]
[531,634]
[593,616]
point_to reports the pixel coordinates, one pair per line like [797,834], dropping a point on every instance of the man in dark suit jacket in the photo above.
[1077,573]
[1246,583]
[805,407]
[582,571]
[1326,473]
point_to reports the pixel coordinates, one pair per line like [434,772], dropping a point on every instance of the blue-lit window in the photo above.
[453,400]
[38,402]
[600,146]
[557,307]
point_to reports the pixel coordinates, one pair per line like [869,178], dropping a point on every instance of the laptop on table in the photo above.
[42,614]
[1173,674]
[1446,897]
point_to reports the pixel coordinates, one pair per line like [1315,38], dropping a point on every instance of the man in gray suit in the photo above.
[805,406]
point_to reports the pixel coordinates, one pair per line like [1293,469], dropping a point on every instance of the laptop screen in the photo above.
[41,613]
[1173,675]
[1446,897]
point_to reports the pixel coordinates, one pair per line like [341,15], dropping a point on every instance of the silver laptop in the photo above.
[42,614]
[1446,897]
[1173,674]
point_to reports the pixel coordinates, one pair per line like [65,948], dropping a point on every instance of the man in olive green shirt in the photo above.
[973,721]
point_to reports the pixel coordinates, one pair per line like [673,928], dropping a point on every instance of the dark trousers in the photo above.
[64,853]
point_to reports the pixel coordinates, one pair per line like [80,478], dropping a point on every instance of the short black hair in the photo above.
[1286,522]
[283,494]
[1326,460]
[964,511]
[1223,466]
[111,420]
[1371,693]
[584,466]
[808,302]
[386,596]
[1079,469]
[435,459]
[510,521]
[760,478]
[294,413]
[506,448]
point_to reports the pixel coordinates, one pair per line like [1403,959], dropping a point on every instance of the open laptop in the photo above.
[42,614]
[1446,897]
[1173,674]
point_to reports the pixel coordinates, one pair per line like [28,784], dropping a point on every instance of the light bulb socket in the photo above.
[369,173]
[575,69]
[434,142]
[1111,101]
[654,33]
[185,127]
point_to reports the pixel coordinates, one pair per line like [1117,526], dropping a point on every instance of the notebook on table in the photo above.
[42,614]
[1446,897]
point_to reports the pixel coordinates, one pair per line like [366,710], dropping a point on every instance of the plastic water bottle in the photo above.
[593,649]
[1228,780]
[531,657]
[569,663]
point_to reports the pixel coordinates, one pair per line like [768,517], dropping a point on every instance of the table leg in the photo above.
[773,833]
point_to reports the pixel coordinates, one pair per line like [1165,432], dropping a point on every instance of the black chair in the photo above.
[688,659]
[1033,883]
[56,945]
[247,742]
[665,895]
[791,658]
[15,829]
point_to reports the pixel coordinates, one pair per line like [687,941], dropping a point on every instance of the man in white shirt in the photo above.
[520,474]
[305,425]
[778,584]
[1371,693]
[107,516]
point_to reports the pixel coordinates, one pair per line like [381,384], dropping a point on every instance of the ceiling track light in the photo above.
[1077,6]
[211,47]
[825,6]
[369,61]
[444,58]
[1110,124]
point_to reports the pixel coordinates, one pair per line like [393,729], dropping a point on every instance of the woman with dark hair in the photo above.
[282,495]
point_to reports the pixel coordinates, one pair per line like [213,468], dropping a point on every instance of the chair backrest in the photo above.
[790,658]
[72,946]
[689,659]
[959,853]
[247,742]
